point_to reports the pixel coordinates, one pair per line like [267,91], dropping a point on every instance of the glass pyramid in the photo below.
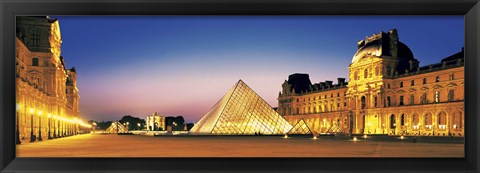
[241,112]
[116,127]
[300,128]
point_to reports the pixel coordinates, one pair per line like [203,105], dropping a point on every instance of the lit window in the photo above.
[437,79]
[452,76]
[437,97]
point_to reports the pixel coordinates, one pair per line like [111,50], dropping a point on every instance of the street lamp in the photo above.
[127,125]
[40,125]
[32,138]
[17,136]
[138,124]
[94,125]
[49,116]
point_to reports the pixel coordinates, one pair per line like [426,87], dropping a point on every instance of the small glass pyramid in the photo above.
[300,128]
[241,112]
[116,127]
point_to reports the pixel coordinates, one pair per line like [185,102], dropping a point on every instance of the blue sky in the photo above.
[182,65]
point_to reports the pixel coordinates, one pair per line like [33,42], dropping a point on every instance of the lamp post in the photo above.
[94,126]
[17,136]
[32,138]
[138,124]
[127,126]
[49,116]
[40,126]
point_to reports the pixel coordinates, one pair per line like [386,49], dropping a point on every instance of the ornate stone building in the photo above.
[46,91]
[156,122]
[388,93]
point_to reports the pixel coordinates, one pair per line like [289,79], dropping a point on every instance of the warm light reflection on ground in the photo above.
[97,145]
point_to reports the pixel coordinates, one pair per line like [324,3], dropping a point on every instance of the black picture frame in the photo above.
[9,9]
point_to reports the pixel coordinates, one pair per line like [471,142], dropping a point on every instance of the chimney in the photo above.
[393,36]
[341,81]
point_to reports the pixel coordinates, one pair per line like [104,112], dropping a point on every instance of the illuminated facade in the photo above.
[388,93]
[46,91]
[241,112]
[156,122]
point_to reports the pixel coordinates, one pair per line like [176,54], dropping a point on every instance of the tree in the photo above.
[177,122]
[132,122]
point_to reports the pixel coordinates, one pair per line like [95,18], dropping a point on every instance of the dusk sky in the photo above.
[182,65]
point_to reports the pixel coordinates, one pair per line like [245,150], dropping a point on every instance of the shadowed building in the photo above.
[388,93]
[241,112]
[46,91]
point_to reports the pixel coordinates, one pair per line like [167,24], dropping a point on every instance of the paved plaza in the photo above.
[100,145]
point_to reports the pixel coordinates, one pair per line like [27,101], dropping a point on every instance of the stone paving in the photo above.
[101,145]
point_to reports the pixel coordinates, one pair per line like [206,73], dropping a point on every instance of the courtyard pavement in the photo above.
[110,145]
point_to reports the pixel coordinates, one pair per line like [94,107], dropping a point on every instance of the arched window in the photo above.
[424,80]
[442,118]
[392,121]
[402,120]
[363,102]
[457,120]
[428,119]
[415,120]
[401,100]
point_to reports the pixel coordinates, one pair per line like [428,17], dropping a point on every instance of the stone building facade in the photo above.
[156,122]
[388,93]
[46,91]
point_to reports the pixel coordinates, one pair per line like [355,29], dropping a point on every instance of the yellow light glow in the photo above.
[32,110]
[355,138]
[364,136]
[49,115]
[315,137]
[286,136]
[18,106]
[40,113]
[401,137]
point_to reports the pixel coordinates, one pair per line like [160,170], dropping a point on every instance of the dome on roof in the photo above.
[379,45]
